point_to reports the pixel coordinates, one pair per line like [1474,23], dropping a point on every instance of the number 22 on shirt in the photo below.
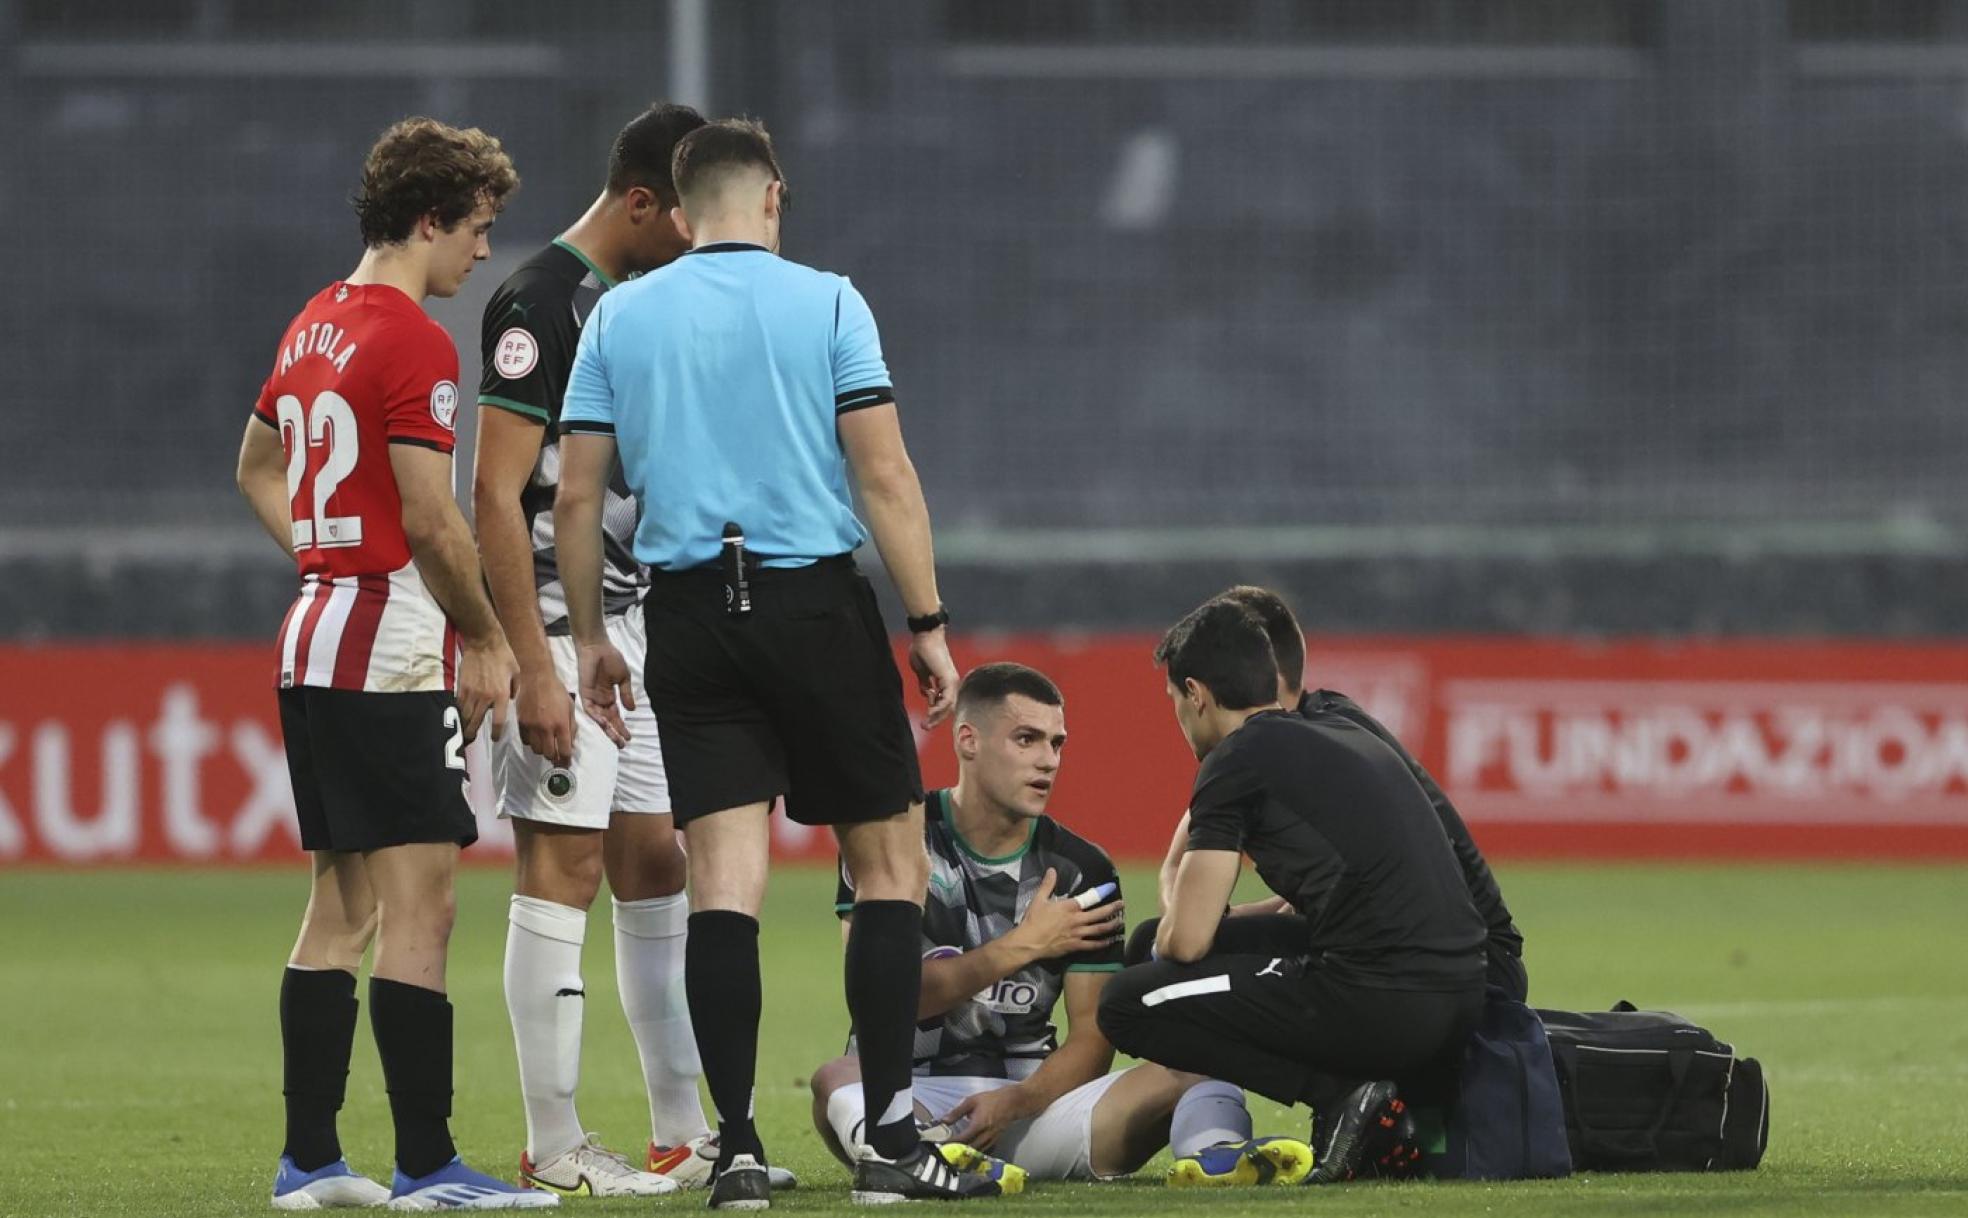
[328,428]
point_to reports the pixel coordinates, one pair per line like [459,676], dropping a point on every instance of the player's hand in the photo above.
[546,716]
[604,674]
[1052,928]
[936,674]
[979,1119]
[487,676]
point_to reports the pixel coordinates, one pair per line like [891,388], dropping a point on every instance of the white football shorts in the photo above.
[605,779]
[1057,1144]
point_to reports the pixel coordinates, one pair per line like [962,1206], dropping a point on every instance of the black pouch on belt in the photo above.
[737,587]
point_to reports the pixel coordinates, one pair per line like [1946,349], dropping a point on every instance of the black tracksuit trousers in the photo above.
[1280,1026]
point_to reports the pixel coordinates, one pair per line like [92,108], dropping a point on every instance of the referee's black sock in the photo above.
[413,1037]
[884,985]
[721,979]
[317,1031]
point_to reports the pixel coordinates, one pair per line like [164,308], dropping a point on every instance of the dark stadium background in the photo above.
[1588,372]
[1626,334]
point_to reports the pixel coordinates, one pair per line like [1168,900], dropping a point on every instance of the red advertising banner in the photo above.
[146,753]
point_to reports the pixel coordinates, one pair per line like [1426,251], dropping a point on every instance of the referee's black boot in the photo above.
[1368,1131]
[741,1184]
[950,1172]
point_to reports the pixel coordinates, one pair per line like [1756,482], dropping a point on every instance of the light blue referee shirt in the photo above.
[720,377]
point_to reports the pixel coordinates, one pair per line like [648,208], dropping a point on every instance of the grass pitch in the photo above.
[140,1065]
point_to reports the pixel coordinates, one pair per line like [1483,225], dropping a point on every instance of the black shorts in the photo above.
[1286,934]
[1276,934]
[1288,1030]
[373,770]
[799,698]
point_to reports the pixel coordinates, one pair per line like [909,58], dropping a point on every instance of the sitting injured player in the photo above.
[1021,912]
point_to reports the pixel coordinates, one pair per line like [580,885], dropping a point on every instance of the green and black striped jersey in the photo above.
[531,328]
[1007,1030]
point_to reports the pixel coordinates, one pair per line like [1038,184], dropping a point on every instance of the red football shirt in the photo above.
[361,368]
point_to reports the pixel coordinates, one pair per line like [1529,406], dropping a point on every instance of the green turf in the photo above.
[139,1058]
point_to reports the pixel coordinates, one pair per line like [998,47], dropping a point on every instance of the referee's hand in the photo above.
[936,674]
[603,673]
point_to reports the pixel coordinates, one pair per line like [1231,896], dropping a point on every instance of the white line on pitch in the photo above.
[1813,1006]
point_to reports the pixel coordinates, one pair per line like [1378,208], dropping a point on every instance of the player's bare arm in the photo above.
[262,478]
[1179,846]
[1172,862]
[448,560]
[1083,1056]
[1203,885]
[1050,929]
[508,446]
[585,462]
[898,517]
[947,981]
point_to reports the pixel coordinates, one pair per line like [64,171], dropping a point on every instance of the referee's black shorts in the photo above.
[799,698]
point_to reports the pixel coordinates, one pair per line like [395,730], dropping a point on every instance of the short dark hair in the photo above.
[1280,626]
[717,148]
[643,150]
[1222,645]
[421,167]
[990,684]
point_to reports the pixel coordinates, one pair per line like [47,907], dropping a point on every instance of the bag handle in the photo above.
[1679,1063]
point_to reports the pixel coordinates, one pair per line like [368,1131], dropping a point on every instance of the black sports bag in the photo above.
[1649,1091]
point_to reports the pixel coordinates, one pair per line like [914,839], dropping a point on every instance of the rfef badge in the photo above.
[444,404]
[517,353]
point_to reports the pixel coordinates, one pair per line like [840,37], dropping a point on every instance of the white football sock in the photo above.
[546,1000]
[1208,1114]
[649,939]
[847,1116]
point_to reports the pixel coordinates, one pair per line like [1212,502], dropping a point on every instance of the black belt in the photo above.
[733,578]
[754,568]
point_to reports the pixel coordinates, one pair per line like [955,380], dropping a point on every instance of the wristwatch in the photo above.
[929,621]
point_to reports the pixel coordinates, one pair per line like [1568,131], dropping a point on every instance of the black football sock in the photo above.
[413,1037]
[721,980]
[317,1032]
[884,985]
